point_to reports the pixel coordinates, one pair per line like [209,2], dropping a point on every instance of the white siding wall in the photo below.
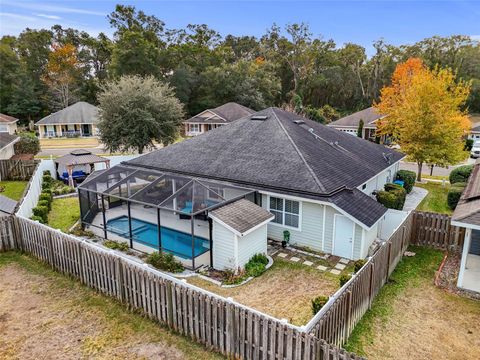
[7,152]
[357,242]
[380,180]
[223,247]
[368,238]
[251,244]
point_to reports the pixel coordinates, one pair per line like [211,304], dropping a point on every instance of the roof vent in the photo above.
[299,122]
[387,157]
[259,117]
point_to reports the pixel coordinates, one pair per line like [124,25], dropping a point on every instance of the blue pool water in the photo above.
[173,241]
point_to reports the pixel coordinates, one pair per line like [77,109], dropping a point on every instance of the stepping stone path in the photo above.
[335,272]
[340,266]
[322,268]
[294,259]
[282,255]
[308,263]
[344,261]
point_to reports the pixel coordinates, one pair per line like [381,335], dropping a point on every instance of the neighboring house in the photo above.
[475,130]
[299,175]
[79,119]
[350,123]
[7,145]
[467,215]
[8,124]
[213,118]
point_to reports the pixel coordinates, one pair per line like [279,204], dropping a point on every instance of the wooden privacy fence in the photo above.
[17,169]
[436,230]
[221,324]
[335,321]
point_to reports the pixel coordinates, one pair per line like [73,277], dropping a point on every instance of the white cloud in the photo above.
[52,8]
[54,17]
[475,37]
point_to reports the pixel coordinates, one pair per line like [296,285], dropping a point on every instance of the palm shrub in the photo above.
[164,261]
[408,177]
[256,265]
[318,303]
[460,174]
[454,194]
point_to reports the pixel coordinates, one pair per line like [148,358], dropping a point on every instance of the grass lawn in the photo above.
[65,212]
[69,143]
[13,189]
[46,315]
[413,319]
[284,291]
[436,199]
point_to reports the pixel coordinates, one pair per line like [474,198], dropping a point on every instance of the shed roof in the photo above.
[225,113]
[80,157]
[7,118]
[7,139]
[7,205]
[241,215]
[468,208]
[78,113]
[368,115]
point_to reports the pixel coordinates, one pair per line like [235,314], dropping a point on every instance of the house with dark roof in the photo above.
[212,118]
[467,215]
[7,145]
[316,183]
[79,119]
[350,123]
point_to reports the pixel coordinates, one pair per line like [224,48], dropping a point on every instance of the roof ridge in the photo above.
[317,180]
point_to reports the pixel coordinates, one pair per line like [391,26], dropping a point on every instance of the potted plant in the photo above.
[286,238]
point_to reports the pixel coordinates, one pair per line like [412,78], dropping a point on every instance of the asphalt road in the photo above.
[438,171]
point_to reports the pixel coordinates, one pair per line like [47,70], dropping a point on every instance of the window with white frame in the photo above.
[195,127]
[3,128]
[286,212]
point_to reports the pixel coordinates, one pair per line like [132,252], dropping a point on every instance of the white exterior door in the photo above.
[343,240]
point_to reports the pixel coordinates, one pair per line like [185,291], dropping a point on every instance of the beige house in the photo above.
[8,124]
[8,137]
[77,120]
[212,118]
[350,123]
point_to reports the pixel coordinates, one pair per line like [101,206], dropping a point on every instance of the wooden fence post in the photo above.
[370,288]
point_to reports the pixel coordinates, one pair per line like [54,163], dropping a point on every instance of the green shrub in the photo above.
[47,172]
[46,197]
[37,218]
[67,190]
[256,265]
[358,265]
[259,258]
[318,303]
[460,174]
[393,197]
[115,245]
[454,194]
[47,179]
[164,261]
[231,277]
[408,177]
[28,144]
[46,186]
[468,144]
[42,212]
[344,279]
[45,203]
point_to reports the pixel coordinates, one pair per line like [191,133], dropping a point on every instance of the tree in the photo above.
[61,73]
[423,113]
[360,128]
[136,111]
[28,144]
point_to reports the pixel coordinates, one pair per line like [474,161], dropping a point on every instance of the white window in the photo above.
[3,128]
[286,212]
[195,127]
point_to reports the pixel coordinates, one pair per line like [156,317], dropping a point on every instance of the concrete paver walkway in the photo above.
[414,198]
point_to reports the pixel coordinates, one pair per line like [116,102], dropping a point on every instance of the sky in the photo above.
[360,22]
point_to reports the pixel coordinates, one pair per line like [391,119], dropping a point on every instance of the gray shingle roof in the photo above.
[225,113]
[368,115]
[7,205]
[6,139]
[7,118]
[468,208]
[284,153]
[78,113]
[241,215]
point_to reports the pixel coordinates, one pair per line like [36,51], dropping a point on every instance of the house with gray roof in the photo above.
[7,145]
[212,118]
[350,123]
[8,124]
[79,119]
[265,175]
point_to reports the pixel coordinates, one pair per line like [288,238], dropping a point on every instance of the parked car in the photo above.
[475,152]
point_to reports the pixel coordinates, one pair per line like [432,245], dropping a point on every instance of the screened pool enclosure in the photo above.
[155,211]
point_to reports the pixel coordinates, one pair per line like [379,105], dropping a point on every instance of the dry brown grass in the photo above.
[44,315]
[284,291]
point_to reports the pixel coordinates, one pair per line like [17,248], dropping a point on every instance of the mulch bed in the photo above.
[448,276]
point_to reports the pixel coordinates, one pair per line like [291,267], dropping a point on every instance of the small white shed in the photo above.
[239,232]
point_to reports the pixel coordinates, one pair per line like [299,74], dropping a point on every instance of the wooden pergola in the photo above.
[78,158]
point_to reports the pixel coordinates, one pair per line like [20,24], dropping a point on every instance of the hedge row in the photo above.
[393,197]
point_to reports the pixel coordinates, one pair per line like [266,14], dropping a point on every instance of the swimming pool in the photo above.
[173,241]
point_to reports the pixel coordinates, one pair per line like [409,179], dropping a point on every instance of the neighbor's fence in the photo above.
[17,169]
[436,230]
[223,325]
[335,321]
[30,199]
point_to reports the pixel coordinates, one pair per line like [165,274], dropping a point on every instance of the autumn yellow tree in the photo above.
[423,113]
[61,72]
